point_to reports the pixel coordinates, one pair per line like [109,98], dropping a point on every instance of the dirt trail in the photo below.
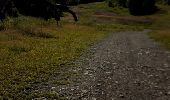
[124,66]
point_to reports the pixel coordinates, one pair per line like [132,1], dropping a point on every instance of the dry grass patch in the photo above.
[162,36]
[161,26]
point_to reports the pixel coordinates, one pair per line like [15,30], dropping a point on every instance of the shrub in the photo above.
[141,7]
[164,2]
[75,2]
[167,2]
[115,3]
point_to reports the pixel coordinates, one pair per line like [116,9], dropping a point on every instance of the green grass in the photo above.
[162,36]
[35,52]
[161,27]
[26,60]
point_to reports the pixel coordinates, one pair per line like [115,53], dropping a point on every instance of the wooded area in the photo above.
[36,8]
[48,9]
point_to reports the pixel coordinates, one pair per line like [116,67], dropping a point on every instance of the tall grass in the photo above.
[161,27]
[28,26]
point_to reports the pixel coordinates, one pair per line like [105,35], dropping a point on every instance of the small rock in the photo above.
[160,92]
[74,70]
[147,52]
[108,72]
[132,50]
[113,99]
[168,93]
[107,62]
[86,73]
[53,87]
[156,86]
[93,98]
[43,98]
[84,91]
[84,99]
[140,53]
[36,90]
[98,84]
[166,65]
[116,82]
[150,75]
[102,92]
[121,96]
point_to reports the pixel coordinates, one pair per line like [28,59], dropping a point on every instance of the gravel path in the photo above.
[124,66]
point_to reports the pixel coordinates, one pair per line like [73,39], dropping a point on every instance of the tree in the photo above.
[35,8]
[7,8]
[168,2]
[142,7]
[164,2]
[74,2]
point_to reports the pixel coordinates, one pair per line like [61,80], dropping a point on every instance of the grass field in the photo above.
[34,51]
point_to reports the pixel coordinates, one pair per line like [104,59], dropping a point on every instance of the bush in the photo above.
[141,7]
[89,1]
[115,3]
[167,2]
[164,2]
[75,2]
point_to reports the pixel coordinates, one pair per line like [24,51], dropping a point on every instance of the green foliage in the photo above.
[117,3]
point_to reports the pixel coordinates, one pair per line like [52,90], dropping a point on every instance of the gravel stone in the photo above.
[124,66]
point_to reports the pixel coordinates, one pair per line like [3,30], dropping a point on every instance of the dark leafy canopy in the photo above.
[165,2]
[168,2]
[136,7]
[37,8]
[7,8]
[74,2]
[142,7]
